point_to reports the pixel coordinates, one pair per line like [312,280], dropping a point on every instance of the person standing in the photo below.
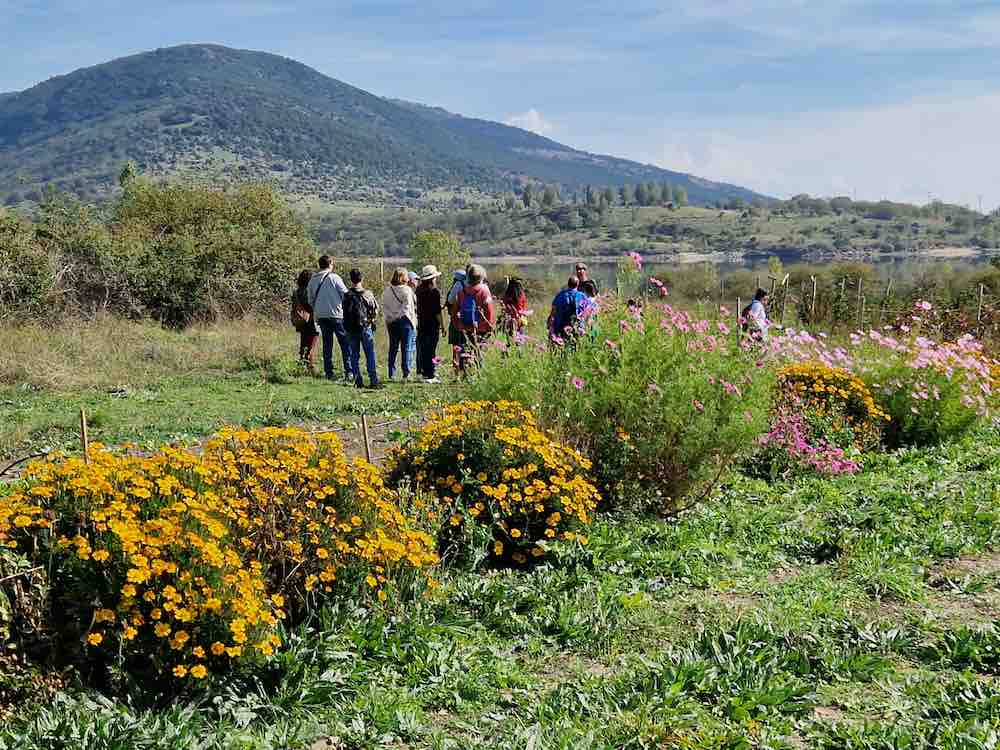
[360,314]
[430,324]
[475,313]
[326,297]
[567,312]
[413,281]
[400,307]
[515,309]
[456,339]
[755,316]
[583,275]
[303,320]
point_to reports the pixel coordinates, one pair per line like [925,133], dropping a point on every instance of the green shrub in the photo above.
[26,277]
[662,403]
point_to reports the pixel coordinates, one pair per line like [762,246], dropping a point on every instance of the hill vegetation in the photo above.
[241,114]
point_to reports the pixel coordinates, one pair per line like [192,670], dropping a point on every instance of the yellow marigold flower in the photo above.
[95,639]
[162,630]
[180,670]
[198,671]
[497,548]
[371,581]
[199,652]
[218,649]
[104,615]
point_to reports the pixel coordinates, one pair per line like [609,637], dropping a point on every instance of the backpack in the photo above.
[469,312]
[357,313]
[568,312]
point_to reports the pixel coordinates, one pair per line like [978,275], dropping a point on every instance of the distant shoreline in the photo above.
[687,257]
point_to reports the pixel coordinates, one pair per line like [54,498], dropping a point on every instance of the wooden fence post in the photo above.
[885,301]
[84,439]
[861,304]
[739,312]
[784,297]
[368,443]
[812,311]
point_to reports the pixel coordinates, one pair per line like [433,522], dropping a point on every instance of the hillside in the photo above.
[242,114]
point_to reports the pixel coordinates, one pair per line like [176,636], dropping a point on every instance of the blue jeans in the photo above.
[365,339]
[330,327]
[401,336]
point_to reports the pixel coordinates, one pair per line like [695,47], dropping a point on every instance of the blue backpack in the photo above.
[469,312]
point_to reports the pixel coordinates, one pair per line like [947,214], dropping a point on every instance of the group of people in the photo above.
[324,308]
[417,315]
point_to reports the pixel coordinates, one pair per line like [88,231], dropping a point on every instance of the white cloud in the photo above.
[942,145]
[531,120]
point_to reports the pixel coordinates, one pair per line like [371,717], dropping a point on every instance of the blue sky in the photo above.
[878,99]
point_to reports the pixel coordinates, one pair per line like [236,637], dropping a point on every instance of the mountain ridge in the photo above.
[212,110]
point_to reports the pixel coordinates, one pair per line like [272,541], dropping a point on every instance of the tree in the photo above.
[627,195]
[528,195]
[666,193]
[680,197]
[641,198]
[591,196]
[609,196]
[435,247]
[551,196]
[652,194]
[510,201]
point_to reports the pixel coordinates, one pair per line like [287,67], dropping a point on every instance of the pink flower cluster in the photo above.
[961,361]
[790,433]
[636,259]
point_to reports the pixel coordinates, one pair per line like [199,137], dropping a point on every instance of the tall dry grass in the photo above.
[109,352]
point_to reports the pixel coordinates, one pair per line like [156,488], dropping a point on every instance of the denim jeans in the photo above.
[330,327]
[400,337]
[427,343]
[363,339]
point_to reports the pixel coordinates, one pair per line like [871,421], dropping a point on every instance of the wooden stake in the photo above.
[861,304]
[368,442]
[979,312]
[739,311]
[84,440]
[812,311]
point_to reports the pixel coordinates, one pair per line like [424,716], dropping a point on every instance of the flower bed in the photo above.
[181,563]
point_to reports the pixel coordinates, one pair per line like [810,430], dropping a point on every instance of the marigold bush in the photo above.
[182,563]
[500,485]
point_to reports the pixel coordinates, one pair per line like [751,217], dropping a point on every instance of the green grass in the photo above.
[189,408]
[856,612]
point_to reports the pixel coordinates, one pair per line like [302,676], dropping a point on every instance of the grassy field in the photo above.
[859,612]
[142,384]
[850,613]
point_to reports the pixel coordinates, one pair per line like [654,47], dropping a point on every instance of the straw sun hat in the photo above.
[429,272]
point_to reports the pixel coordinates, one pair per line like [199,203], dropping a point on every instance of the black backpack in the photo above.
[357,316]
[745,318]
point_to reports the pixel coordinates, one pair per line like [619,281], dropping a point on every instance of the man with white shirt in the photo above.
[326,296]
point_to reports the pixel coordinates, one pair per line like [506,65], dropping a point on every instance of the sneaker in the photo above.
[359,383]
[377,386]
[431,381]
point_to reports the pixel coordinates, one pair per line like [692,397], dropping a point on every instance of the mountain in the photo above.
[212,110]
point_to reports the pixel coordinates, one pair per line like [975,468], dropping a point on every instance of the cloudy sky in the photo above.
[897,99]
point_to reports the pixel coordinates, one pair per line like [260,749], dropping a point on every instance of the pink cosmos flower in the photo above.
[578,382]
